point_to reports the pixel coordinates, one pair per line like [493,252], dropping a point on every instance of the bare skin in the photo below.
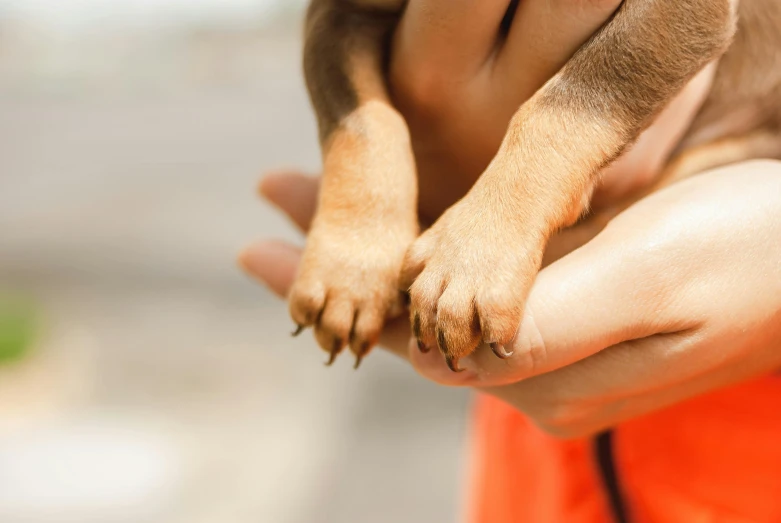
[368,204]
[624,371]
[716,319]
[468,274]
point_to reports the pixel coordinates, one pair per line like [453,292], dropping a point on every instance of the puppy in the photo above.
[467,276]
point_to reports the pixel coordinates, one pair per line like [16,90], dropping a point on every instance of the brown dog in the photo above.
[469,274]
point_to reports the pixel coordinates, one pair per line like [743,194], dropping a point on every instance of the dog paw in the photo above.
[347,285]
[468,278]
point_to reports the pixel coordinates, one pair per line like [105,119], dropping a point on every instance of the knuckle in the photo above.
[558,431]
[531,352]
[602,4]
[565,420]
[420,88]
[606,6]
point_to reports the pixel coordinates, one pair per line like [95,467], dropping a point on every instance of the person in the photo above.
[645,383]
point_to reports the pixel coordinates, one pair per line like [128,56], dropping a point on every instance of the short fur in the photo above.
[469,274]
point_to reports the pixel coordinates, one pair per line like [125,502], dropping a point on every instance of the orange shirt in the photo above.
[712,459]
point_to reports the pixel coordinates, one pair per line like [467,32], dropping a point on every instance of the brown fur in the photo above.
[469,274]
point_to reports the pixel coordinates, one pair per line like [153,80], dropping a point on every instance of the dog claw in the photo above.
[442,342]
[405,299]
[501,351]
[299,330]
[416,332]
[359,357]
[416,326]
[452,363]
[334,352]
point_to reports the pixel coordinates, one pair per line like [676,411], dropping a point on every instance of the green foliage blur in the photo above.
[17,328]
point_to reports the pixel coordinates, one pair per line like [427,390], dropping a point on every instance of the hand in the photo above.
[458,80]
[446,138]
[681,294]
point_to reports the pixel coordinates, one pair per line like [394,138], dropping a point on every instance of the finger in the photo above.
[619,383]
[636,377]
[432,366]
[594,298]
[545,34]
[395,338]
[273,263]
[293,193]
[449,39]
[650,273]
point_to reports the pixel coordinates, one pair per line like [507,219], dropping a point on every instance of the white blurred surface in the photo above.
[95,470]
[81,14]
[128,161]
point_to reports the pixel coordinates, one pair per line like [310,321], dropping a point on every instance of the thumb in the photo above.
[609,291]
[294,193]
[273,263]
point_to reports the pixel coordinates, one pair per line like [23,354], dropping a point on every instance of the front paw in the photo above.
[468,278]
[347,285]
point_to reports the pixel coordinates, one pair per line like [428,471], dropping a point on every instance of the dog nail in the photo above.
[359,357]
[416,325]
[299,330]
[452,363]
[501,351]
[422,347]
[334,351]
[405,299]
[442,342]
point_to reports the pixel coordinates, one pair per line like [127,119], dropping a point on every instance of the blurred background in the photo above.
[143,378]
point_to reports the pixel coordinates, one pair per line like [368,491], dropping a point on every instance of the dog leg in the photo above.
[367,211]
[727,151]
[473,269]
